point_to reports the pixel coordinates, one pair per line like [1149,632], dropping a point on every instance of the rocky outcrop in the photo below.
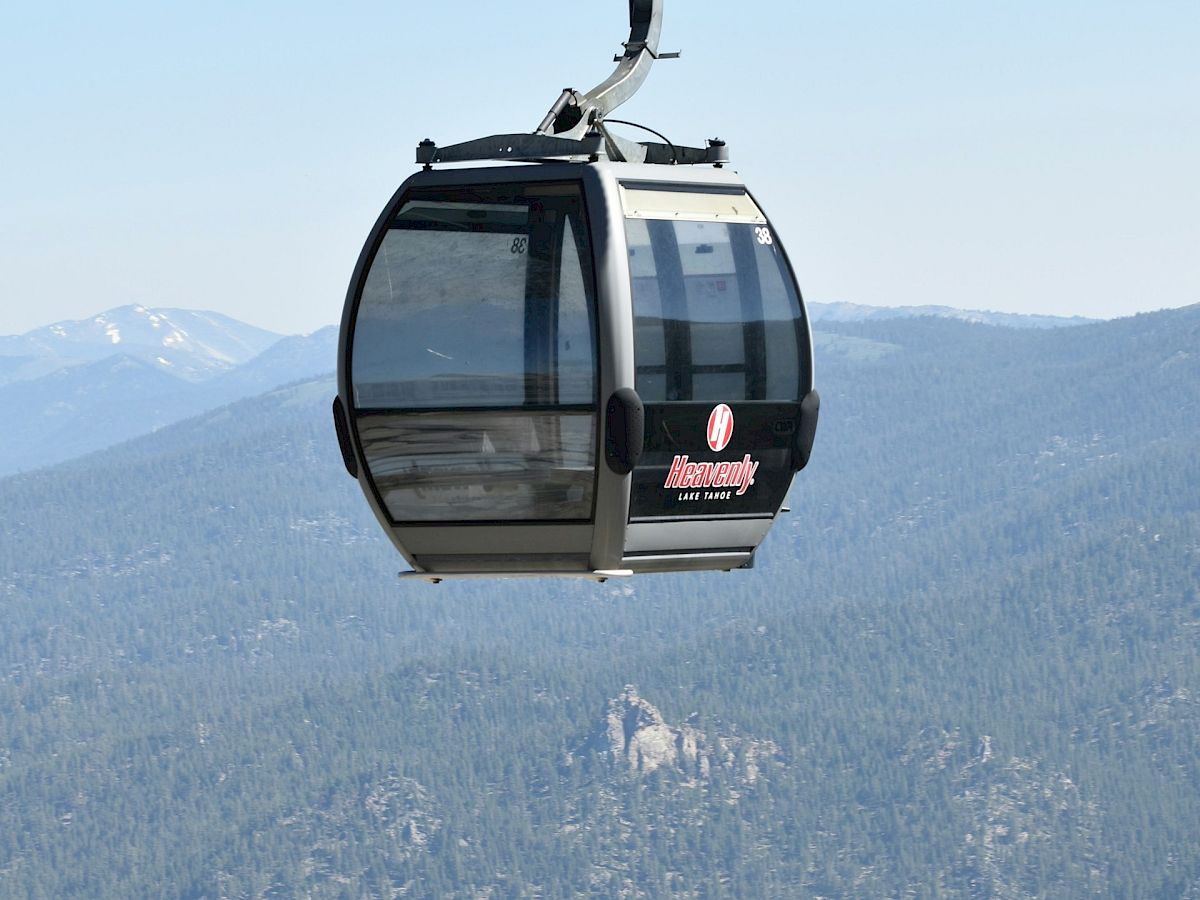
[635,737]
[392,814]
[1011,809]
[636,733]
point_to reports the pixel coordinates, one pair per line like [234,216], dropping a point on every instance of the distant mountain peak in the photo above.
[192,345]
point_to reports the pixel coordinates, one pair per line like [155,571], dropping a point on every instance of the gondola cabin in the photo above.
[593,368]
[591,359]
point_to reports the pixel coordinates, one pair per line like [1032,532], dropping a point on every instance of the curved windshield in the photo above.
[716,314]
[473,366]
[720,353]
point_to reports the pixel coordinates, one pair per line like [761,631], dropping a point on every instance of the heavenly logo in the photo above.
[720,428]
[689,476]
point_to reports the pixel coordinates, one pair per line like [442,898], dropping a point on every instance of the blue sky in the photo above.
[1025,156]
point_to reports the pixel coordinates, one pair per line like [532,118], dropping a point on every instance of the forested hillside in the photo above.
[966,663]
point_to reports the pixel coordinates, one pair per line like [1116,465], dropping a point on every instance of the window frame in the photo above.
[679,368]
[585,247]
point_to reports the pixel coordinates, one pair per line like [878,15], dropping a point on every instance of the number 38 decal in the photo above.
[764,235]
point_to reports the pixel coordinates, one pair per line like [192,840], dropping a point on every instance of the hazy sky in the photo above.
[1030,156]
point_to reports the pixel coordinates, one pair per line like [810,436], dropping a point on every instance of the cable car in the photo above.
[590,360]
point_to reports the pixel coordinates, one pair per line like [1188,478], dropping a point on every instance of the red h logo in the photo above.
[720,428]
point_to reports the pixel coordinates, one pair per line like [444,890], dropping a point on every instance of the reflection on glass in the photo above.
[477,303]
[482,466]
[473,358]
[716,316]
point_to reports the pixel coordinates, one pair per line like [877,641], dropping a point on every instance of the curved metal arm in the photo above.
[572,115]
[574,127]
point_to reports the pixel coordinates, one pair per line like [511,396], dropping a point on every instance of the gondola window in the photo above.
[474,365]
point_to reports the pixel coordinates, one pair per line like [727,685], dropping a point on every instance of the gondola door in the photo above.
[473,376]
[721,355]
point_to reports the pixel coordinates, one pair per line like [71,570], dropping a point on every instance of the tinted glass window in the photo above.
[473,359]
[716,315]
[478,297]
[482,465]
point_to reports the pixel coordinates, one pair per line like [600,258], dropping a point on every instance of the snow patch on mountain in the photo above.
[189,344]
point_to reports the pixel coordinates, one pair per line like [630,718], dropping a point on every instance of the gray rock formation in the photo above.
[635,738]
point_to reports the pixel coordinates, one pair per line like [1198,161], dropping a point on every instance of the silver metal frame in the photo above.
[641,50]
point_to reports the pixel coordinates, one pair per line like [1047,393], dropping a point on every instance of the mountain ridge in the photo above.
[192,345]
[90,391]
[858,312]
